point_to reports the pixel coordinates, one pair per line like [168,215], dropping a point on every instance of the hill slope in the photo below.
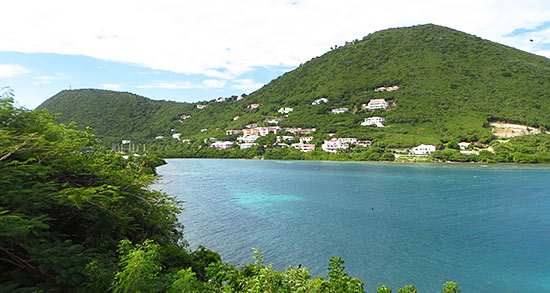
[451,85]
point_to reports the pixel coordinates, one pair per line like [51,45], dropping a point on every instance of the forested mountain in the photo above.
[451,85]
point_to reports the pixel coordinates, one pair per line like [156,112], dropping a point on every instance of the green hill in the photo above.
[452,85]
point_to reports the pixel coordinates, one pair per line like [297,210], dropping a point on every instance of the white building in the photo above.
[333,145]
[423,149]
[220,99]
[306,139]
[339,110]
[253,106]
[199,106]
[319,101]
[248,138]
[126,141]
[285,138]
[378,121]
[247,145]
[233,131]
[159,137]
[348,140]
[304,147]
[222,145]
[463,145]
[285,110]
[376,104]
[364,143]
[183,116]
[263,131]
[176,135]
[236,117]
[204,129]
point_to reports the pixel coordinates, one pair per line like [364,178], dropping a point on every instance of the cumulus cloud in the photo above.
[246,84]
[224,39]
[111,86]
[9,70]
[48,79]
[209,83]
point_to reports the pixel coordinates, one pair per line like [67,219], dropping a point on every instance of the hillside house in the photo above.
[200,106]
[348,140]
[186,141]
[339,110]
[304,147]
[250,131]
[280,145]
[285,110]
[300,130]
[253,106]
[380,89]
[220,99]
[176,135]
[319,101]
[275,120]
[378,121]
[236,117]
[285,138]
[267,130]
[252,125]
[240,98]
[126,141]
[333,145]
[247,145]
[222,145]
[306,139]
[392,88]
[364,143]
[204,129]
[463,145]
[233,131]
[423,149]
[183,116]
[248,138]
[376,104]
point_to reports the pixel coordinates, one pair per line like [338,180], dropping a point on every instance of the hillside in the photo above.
[451,86]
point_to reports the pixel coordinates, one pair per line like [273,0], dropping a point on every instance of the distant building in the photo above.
[275,120]
[176,135]
[300,130]
[378,121]
[364,143]
[159,137]
[319,101]
[252,125]
[247,145]
[463,145]
[222,145]
[423,149]
[236,117]
[339,110]
[392,88]
[126,141]
[204,129]
[348,140]
[251,131]
[380,89]
[306,139]
[304,147]
[285,138]
[285,110]
[183,116]
[333,145]
[253,106]
[248,138]
[376,104]
[199,106]
[220,99]
[233,131]
[267,130]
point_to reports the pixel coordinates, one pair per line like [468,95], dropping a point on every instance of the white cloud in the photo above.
[246,84]
[224,39]
[48,79]
[209,83]
[111,86]
[9,70]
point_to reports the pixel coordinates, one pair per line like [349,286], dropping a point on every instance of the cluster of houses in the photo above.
[387,89]
[337,144]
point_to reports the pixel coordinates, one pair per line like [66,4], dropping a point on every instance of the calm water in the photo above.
[396,224]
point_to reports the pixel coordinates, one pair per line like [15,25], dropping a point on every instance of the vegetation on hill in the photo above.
[75,217]
[452,85]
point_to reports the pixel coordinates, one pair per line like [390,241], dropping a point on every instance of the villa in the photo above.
[364,143]
[251,131]
[378,121]
[247,145]
[253,106]
[376,104]
[463,145]
[222,145]
[263,131]
[285,110]
[306,139]
[319,101]
[423,149]
[339,110]
[176,135]
[199,106]
[233,131]
[334,144]
[304,147]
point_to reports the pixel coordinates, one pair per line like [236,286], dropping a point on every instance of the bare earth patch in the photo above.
[512,130]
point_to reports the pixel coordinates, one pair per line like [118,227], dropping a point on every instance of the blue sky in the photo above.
[200,50]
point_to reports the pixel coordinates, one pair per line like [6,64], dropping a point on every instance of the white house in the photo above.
[378,121]
[275,120]
[220,99]
[300,130]
[204,129]
[423,149]
[285,110]
[270,129]
[285,138]
[304,147]
[248,138]
[376,104]
[233,131]
[463,145]
[251,131]
[199,106]
[333,145]
[348,140]
[339,110]
[364,143]
[392,88]
[236,117]
[306,139]
[183,116]
[253,106]
[247,145]
[176,135]
[126,141]
[380,89]
[240,98]
[319,101]
[222,145]
[159,137]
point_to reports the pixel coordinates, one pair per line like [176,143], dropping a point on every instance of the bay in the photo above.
[486,227]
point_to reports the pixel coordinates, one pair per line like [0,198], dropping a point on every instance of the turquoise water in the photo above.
[485,227]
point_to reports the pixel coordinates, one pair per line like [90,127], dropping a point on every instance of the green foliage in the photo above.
[451,85]
[450,287]
[139,268]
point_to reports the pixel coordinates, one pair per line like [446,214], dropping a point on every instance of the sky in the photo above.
[191,51]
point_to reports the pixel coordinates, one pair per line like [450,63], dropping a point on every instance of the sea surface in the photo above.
[486,227]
